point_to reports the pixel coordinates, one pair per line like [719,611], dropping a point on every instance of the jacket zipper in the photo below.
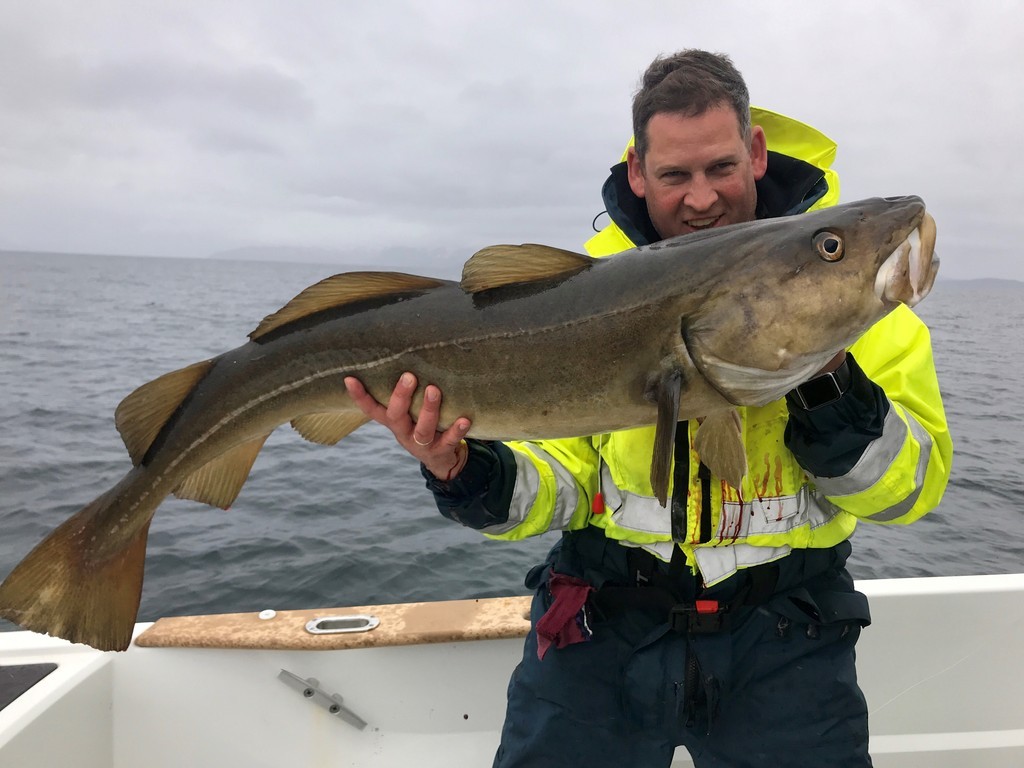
[680,494]
[704,474]
[681,485]
[680,482]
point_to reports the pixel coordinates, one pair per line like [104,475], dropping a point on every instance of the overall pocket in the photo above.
[653,679]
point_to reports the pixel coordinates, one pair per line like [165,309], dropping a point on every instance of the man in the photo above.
[726,623]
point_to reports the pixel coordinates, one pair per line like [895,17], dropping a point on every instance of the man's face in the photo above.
[698,172]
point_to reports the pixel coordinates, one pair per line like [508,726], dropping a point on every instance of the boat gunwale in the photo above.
[400,624]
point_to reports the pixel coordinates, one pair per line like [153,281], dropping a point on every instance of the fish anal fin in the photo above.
[343,289]
[140,416]
[219,482]
[665,391]
[500,265]
[328,428]
[719,443]
[59,590]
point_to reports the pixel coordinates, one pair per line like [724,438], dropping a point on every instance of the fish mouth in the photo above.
[907,275]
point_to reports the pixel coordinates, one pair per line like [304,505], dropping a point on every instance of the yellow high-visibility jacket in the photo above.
[780,505]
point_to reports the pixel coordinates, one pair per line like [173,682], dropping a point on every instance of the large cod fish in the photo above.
[534,342]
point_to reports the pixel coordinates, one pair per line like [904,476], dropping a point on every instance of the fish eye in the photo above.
[829,245]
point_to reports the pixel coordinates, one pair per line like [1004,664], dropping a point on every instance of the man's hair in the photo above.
[691,82]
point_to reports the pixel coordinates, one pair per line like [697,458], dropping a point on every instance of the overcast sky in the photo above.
[410,132]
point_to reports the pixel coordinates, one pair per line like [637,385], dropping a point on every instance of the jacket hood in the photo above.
[798,176]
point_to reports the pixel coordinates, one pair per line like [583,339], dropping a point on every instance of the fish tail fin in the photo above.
[58,589]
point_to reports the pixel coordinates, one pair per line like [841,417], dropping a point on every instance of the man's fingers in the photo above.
[452,436]
[440,452]
[444,442]
[447,455]
[401,398]
[363,399]
[425,429]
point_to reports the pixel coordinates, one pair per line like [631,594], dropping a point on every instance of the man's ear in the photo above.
[758,152]
[635,172]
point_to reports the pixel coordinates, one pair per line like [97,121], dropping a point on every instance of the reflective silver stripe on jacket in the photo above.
[878,459]
[924,440]
[719,563]
[528,486]
[767,515]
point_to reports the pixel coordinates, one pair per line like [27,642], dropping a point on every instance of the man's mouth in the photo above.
[705,223]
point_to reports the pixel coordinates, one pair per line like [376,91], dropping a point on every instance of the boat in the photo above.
[424,684]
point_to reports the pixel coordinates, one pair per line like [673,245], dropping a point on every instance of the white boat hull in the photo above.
[941,666]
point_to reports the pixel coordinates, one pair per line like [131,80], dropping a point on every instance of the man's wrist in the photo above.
[448,473]
[470,475]
[822,390]
[479,497]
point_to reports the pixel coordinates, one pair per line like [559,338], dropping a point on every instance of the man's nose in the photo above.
[701,195]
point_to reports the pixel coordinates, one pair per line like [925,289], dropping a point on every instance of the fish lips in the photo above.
[908,274]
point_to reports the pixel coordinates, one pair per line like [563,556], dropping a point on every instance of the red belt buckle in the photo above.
[706,606]
[699,618]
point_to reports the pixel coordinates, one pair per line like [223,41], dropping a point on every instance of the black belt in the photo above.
[652,587]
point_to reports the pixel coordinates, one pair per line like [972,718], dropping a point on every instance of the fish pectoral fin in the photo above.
[140,416]
[666,391]
[500,265]
[719,443]
[328,428]
[339,290]
[219,482]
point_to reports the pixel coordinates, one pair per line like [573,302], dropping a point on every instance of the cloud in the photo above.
[157,128]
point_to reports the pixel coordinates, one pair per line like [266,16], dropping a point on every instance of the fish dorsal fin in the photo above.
[328,428]
[501,265]
[140,416]
[219,482]
[719,443]
[339,290]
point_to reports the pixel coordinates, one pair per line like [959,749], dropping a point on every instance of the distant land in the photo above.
[438,262]
[287,253]
[434,262]
[976,282]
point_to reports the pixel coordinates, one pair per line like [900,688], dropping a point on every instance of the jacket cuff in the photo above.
[481,494]
[829,441]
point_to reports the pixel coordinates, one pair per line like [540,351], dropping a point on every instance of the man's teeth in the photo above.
[698,223]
